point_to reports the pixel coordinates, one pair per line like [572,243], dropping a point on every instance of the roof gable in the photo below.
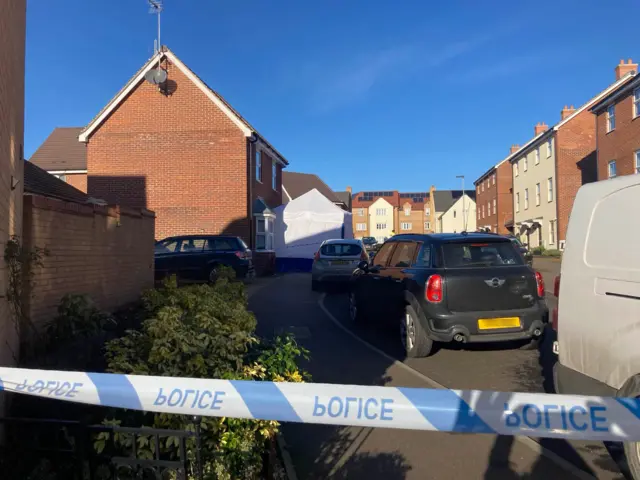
[297,184]
[217,99]
[61,151]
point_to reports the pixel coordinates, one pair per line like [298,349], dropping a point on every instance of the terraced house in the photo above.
[550,168]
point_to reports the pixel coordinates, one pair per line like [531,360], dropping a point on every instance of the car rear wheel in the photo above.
[413,336]
[213,275]
[355,314]
[631,389]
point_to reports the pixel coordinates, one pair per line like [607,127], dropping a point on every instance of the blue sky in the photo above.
[378,95]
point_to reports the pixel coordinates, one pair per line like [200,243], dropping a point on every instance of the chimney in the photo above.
[539,128]
[623,68]
[566,111]
[349,189]
[514,148]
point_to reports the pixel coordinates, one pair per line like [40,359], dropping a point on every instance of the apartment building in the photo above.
[549,169]
[494,203]
[618,127]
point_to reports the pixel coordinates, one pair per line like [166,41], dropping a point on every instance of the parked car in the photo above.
[598,315]
[523,248]
[335,261]
[464,287]
[369,243]
[198,257]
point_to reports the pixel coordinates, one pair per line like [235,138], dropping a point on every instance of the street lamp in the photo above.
[464,214]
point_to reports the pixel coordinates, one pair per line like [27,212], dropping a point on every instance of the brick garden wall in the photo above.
[105,252]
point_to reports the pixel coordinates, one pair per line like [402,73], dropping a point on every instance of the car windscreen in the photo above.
[480,254]
[340,250]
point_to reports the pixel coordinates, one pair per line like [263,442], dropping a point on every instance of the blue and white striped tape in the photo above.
[467,411]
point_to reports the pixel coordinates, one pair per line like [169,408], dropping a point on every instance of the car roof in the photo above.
[354,241]
[450,237]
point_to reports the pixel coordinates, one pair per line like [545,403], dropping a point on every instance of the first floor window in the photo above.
[526,198]
[517,201]
[636,102]
[361,212]
[537,194]
[482,208]
[381,226]
[494,206]
[427,225]
[612,170]
[552,232]
[264,233]
[274,175]
[550,189]
[611,118]
[405,226]
[381,211]
[361,227]
[637,157]
[427,211]
[259,166]
[488,208]
[407,211]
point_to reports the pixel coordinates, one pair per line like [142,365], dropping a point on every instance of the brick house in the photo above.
[180,149]
[494,202]
[618,127]
[549,169]
[12,50]
[64,157]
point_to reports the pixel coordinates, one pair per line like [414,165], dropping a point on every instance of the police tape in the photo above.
[464,411]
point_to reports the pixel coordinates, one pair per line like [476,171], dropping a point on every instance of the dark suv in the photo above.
[197,257]
[450,287]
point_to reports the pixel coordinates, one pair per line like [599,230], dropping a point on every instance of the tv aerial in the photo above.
[156,76]
[155,7]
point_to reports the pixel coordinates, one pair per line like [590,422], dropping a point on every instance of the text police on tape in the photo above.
[202,399]
[50,387]
[558,417]
[354,407]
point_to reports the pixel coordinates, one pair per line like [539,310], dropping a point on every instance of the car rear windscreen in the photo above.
[480,254]
[340,250]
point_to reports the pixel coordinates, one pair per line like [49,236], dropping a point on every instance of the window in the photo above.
[424,256]
[636,102]
[612,169]
[515,169]
[427,225]
[166,246]
[191,245]
[381,211]
[537,194]
[525,164]
[361,227]
[264,233]
[454,214]
[549,147]
[259,166]
[407,210]
[381,226]
[482,208]
[549,189]
[340,250]
[494,206]
[637,155]
[381,258]
[611,118]
[518,202]
[403,255]
[526,198]
[427,211]
[552,232]
[482,184]
[489,208]
[221,244]
[274,175]
[405,226]
[537,156]
[493,179]
[470,255]
[361,212]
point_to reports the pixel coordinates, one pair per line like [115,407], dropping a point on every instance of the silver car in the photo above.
[336,260]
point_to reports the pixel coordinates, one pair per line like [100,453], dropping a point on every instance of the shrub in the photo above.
[204,331]
[78,317]
[552,253]
[538,250]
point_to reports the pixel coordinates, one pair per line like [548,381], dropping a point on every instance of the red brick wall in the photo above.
[504,182]
[12,47]
[263,187]
[105,252]
[78,180]
[575,145]
[178,155]
[621,143]
[484,197]
[356,218]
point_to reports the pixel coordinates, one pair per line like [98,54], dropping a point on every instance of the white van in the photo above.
[598,315]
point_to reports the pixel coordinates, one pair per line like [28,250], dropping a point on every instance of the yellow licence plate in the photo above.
[493,323]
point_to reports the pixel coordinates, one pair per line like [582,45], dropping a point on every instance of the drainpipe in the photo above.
[251,141]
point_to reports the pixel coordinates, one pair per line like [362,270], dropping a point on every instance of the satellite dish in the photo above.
[156,76]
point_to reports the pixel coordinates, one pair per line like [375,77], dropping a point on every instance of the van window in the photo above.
[480,254]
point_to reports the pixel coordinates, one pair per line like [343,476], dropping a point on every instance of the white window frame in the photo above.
[611,118]
[381,226]
[637,158]
[538,192]
[381,212]
[427,211]
[361,227]
[406,226]
[516,170]
[493,179]
[407,211]
[615,168]
[259,166]
[549,189]
[517,202]
[636,102]
[494,206]
[552,232]
[274,175]
[427,225]
[537,161]
[525,164]
[361,212]
[549,147]
[269,232]
[526,199]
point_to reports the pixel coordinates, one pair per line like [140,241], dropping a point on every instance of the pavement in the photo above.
[369,356]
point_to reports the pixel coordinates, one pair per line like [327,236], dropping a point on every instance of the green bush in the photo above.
[204,331]
[552,253]
[78,317]
[538,250]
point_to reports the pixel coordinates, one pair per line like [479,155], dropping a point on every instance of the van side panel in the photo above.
[599,304]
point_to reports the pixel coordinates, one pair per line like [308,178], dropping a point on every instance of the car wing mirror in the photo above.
[364,266]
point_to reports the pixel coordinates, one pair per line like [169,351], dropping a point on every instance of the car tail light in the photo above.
[433,289]
[243,254]
[556,293]
[540,284]
[556,286]
[316,256]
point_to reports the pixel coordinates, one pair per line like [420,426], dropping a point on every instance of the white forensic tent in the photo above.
[303,224]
